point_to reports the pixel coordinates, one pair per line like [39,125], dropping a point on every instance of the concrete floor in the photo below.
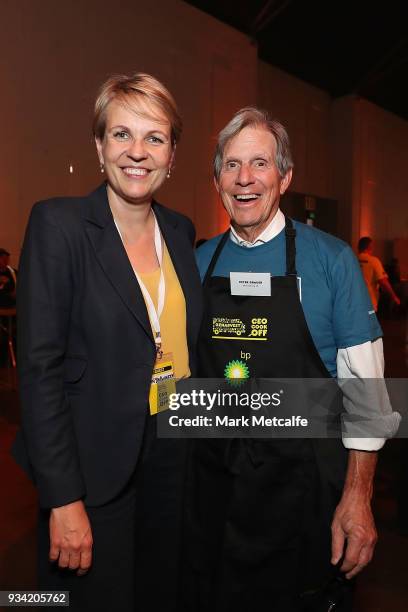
[382,587]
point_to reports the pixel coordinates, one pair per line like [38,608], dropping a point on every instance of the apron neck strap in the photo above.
[214,258]
[290,235]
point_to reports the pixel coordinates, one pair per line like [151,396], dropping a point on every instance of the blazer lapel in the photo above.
[112,256]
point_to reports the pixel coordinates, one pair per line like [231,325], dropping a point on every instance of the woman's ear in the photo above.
[173,157]
[98,145]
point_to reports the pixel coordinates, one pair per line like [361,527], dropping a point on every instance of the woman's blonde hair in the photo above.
[141,90]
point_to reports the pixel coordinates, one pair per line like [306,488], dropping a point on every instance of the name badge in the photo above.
[250,283]
[163,384]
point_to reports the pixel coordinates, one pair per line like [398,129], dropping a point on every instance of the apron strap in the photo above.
[290,235]
[214,258]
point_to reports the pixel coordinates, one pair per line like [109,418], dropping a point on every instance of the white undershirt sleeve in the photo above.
[367,406]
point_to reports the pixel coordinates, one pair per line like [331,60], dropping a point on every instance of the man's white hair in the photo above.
[251,116]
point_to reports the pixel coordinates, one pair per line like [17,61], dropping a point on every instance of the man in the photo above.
[373,272]
[261,510]
[8,281]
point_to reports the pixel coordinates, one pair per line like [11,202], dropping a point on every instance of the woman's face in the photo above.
[136,151]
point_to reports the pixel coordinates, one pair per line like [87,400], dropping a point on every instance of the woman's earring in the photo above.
[168,173]
[102,166]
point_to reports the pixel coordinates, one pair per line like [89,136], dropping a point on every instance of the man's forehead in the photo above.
[251,141]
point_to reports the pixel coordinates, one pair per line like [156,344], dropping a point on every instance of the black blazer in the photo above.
[85,347]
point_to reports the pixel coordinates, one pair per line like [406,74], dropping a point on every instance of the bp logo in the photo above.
[236,371]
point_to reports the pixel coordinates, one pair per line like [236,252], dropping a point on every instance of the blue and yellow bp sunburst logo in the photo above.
[236,370]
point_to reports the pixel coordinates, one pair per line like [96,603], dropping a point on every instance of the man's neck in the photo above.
[251,232]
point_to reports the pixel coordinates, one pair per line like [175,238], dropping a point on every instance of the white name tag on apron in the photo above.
[250,283]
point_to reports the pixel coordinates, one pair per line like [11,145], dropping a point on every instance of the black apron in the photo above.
[259,511]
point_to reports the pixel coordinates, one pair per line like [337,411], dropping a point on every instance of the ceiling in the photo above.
[346,47]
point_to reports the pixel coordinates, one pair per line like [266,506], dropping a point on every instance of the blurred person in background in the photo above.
[373,272]
[8,281]
[8,284]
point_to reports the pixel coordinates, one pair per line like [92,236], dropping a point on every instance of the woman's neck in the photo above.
[134,220]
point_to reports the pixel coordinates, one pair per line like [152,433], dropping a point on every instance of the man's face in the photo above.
[250,185]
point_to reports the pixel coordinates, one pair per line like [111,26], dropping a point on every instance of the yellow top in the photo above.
[373,272]
[173,318]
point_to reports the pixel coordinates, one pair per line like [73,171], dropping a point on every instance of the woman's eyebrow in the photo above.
[156,131]
[119,127]
[128,129]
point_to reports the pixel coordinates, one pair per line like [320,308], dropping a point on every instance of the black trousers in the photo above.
[258,530]
[136,539]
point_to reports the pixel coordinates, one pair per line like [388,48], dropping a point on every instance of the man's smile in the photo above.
[246,197]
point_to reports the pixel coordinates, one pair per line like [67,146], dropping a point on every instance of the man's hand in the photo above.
[71,537]
[353,520]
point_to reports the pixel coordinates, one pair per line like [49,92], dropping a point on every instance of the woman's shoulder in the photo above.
[66,209]
[60,203]
[56,211]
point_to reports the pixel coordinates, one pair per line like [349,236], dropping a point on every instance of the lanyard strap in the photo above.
[154,315]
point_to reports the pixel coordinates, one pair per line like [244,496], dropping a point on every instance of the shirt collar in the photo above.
[273,229]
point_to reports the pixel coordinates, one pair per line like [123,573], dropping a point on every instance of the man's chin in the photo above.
[241,221]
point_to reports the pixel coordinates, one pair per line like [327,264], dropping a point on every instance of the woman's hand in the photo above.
[71,537]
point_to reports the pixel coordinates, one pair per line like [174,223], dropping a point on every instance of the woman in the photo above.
[102,280]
